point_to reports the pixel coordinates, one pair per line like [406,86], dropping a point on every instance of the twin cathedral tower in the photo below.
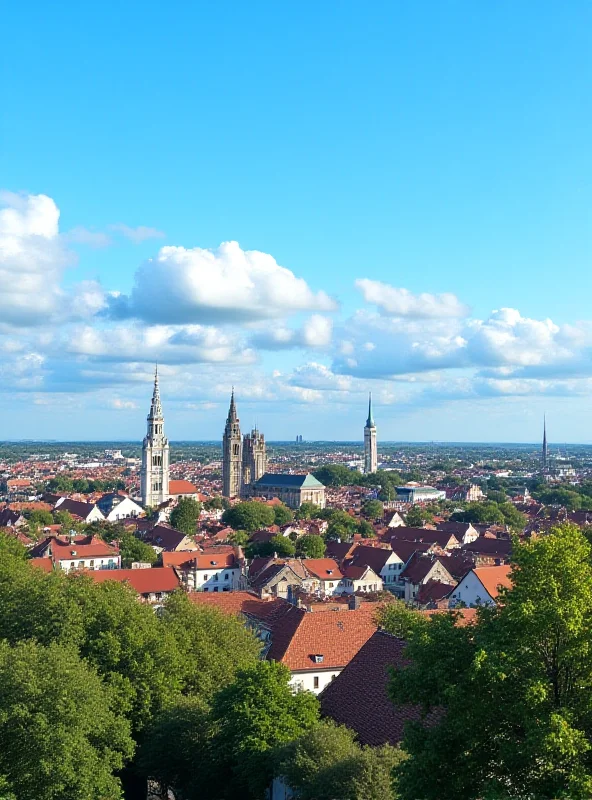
[244,458]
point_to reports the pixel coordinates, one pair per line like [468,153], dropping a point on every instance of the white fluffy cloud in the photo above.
[190,344]
[315,333]
[397,302]
[227,284]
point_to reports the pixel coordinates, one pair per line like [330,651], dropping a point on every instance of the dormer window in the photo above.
[318,658]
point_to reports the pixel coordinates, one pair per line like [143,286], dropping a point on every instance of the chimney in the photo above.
[354,602]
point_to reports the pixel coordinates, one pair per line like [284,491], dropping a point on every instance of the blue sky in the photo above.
[423,171]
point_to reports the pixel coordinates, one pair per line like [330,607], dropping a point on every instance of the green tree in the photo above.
[337,475]
[39,518]
[60,484]
[216,504]
[60,732]
[561,496]
[479,512]
[327,763]
[283,546]
[373,509]
[308,511]
[251,718]
[249,516]
[366,530]
[497,495]
[282,515]
[239,538]
[310,546]
[133,549]
[65,519]
[185,516]
[399,620]
[212,646]
[529,663]
[417,516]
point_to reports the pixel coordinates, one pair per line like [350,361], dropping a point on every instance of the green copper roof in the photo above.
[288,481]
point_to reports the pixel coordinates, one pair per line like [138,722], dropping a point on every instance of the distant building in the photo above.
[115,506]
[232,453]
[254,459]
[154,476]
[370,446]
[78,553]
[545,452]
[293,490]
[419,494]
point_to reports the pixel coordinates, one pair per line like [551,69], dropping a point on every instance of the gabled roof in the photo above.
[182,487]
[77,508]
[404,550]
[488,546]
[167,538]
[8,517]
[326,569]
[195,559]
[441,538]
[375,557]
[144,581]
[286,481]
[359,699]
[358,573]
[420,566]
[493,578]
[80,547]
[336,636]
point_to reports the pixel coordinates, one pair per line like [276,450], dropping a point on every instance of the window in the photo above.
[330,585]
[91,563]
[80,564]
[215,588]
[226,576]
[315,681]
[205,577]
[71,565]
[216,576]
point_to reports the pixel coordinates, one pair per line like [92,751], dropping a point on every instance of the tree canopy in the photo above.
[133,549]
[61,734]
[514,687]
[311,546]
[185,515]
[249,516]
[327,762]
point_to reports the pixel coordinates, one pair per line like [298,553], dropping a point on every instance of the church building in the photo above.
[154,476]
[244,459]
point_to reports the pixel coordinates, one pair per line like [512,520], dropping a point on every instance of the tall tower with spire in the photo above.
[254,459]
[370,445]
[154,480]
[232,454]
[545,451]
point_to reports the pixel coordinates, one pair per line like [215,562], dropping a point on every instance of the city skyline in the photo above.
[406,216]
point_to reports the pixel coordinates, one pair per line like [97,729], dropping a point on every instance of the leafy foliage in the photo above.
[282,545]
[327,763]
[249,516]
[133,549]
[417,516]
[373,509]
[60,733]
[528,663]
[311,546]
[185,515]
[282,514]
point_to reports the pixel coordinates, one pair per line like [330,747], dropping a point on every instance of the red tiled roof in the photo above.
[359,698]
[488,546]
[337,636]
[493,578]
[237,603]
[375,557]
[46,564]
[82,546]
[182,487]
[325,569]
[192,559]
[144,581]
